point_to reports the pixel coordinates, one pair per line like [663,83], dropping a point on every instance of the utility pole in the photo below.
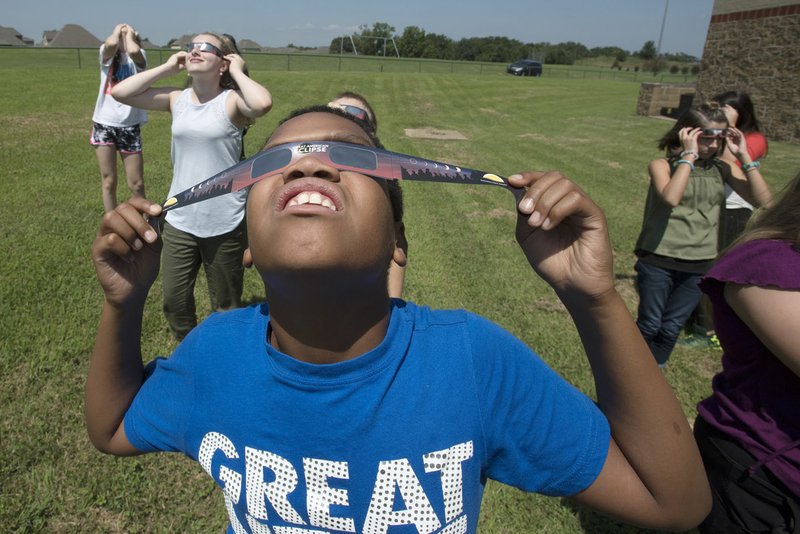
[661,35]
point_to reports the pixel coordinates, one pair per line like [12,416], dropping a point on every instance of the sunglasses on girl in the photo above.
[355,111]
[205,47]
[369,161]
[714,133]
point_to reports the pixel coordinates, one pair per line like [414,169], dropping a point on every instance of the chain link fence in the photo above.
[81,58]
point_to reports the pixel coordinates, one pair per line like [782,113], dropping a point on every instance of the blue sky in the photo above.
[624,23]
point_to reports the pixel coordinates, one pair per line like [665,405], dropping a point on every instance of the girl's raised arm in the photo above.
[137,90]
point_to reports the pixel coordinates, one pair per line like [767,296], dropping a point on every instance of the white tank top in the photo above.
[108,111]
[204,142]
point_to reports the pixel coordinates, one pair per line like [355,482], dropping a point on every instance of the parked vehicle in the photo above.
[525,67]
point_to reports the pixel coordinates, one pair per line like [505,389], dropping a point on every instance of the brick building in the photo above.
[754,46]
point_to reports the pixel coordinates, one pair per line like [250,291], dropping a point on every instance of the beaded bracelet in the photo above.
[689,153]
[750,166]
[686,161]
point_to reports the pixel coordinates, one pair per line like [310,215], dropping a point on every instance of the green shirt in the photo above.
[689,230]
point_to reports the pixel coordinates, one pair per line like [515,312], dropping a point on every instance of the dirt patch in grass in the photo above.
[496,213]
[500,213]
[434,133]
[534,136]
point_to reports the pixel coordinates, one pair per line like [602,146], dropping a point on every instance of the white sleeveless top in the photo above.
[107,111]
[204,143]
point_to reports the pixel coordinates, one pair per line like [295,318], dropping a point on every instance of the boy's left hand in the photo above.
[564,235]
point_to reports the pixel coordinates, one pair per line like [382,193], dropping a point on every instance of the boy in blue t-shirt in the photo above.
[334,408]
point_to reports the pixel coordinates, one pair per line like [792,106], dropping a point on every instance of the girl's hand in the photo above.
[177,61]
[129,31]
[737,144]
[688,138]
[235,62]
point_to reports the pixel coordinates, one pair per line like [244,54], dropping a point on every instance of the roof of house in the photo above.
[74,35]
[181,42]
[249,44]
[11,37]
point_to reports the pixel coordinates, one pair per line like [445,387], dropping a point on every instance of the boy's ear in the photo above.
[247,258]
[400,254]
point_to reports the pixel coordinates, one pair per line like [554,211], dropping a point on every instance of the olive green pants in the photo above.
[181,258]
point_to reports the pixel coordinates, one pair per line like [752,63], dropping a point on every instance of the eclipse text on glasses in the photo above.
[374,162]
[205,47]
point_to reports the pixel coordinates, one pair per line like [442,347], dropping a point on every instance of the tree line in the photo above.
[415,42]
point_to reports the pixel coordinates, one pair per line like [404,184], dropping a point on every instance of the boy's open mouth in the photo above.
[311,197]
[310,193]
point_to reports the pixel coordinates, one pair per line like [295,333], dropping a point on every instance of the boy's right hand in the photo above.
[126,252]
[564,235]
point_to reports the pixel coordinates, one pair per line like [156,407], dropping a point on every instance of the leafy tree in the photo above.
[616,52]
[467,49]
[498,49]
[654,65]
[648,50]
[412,42]
[416,42]
[681,57]
[438,46]
[370,41]
[341,45]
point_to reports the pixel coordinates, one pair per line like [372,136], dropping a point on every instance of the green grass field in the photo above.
[462,254]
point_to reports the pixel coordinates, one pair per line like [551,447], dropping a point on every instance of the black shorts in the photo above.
[744,499]
[127,139]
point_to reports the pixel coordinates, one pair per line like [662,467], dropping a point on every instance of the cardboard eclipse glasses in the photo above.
[204,47]
[369,161]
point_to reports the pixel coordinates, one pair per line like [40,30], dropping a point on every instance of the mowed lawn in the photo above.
[462,254]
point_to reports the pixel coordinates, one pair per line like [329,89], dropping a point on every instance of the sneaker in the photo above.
[697,341]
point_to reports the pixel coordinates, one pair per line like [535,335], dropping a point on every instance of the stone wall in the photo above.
[662,98]
[756,51]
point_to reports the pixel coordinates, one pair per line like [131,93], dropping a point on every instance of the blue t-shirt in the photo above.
[400,439]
